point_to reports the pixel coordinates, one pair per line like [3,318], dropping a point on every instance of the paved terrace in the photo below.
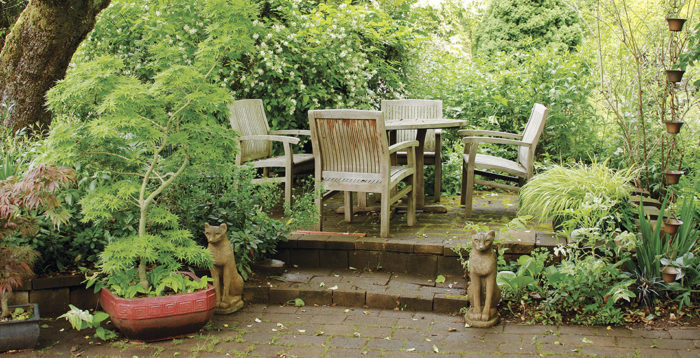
[396,272]
[287,331]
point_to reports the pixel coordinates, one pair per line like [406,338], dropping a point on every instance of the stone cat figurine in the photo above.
[228,284]
[483,292]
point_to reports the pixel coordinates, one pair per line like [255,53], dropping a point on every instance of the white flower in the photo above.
[157,13]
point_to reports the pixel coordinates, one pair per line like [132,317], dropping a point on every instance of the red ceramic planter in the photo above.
[159,318]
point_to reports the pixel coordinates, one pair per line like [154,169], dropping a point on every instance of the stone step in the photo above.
[358,288]
[428,256]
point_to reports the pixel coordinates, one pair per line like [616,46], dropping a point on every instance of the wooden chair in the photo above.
[406,109]
[352,155]
[248,118]
[522,169]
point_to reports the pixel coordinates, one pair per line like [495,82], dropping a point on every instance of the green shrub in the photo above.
[583,194]
[587,287]
[228,197]
[516,25]
[295,55]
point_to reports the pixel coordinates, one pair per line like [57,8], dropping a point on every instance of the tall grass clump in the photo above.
[586,192]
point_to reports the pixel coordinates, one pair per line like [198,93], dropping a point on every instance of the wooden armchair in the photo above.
[352,155]
[248,118]
[407,109]
[521,169]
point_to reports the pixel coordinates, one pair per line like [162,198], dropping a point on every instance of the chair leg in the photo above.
[361,200]
[319,204]
[288,186]
[438,179]
[411,214]
[384,214]
[463,197]
[469,191]
[347,203]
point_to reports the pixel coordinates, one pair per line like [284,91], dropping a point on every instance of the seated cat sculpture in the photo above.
[228,284]
[483,292]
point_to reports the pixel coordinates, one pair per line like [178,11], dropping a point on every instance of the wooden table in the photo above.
[422,126]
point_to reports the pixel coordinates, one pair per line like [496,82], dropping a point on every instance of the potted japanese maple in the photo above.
[19,199]
[147,134]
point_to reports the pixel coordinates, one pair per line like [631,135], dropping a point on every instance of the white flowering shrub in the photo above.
[295,55]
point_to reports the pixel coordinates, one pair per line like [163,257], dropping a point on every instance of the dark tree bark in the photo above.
[37,52]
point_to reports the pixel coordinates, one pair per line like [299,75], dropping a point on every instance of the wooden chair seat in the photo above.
[339,180]
[485,161]
[281,161]
[526,144]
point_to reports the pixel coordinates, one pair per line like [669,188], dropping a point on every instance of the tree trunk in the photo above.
[9,11]
[37,52]
[4,308]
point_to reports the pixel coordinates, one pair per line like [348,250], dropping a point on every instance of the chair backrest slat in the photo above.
[247,116]
[531,135]
[407,109]
[349,141]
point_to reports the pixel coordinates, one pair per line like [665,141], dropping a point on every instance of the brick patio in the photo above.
[287,331]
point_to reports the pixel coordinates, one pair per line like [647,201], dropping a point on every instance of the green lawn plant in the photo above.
[581,194]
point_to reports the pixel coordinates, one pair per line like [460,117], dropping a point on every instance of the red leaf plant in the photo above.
[20,201]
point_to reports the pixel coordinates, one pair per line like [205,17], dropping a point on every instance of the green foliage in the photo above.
[295,55]
[15,151]
[227,196]
[162,281]
[144,132]
[515,284]
[497,93]
[516,25]
[685,240]
[584,288]
[588,287]
[80,319]
[20,314]
[167,250]
[584,194]
[78,243]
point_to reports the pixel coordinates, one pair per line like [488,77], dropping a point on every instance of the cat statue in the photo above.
[228,284]
[483,292]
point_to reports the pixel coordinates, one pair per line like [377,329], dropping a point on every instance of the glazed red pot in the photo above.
[159,318]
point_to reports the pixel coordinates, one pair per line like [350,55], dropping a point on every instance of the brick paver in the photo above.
[285,331]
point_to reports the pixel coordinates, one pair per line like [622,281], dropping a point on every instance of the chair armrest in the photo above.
[477,140]
[477,132]
[292,132]
[402,145]
[274,138]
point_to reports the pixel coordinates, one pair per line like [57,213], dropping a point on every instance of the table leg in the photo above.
[420,179]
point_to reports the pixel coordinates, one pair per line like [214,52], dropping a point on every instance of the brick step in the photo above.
[358,288]
[418,256]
